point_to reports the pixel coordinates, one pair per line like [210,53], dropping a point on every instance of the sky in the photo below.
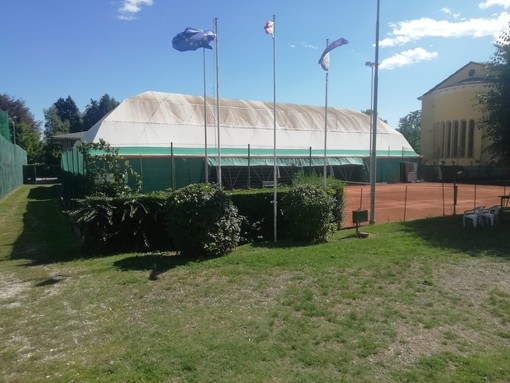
[88,48]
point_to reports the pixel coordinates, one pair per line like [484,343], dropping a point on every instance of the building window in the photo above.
[448,139]
[436,140]
[455,139]
[462,141]
[442,140]
[471,138]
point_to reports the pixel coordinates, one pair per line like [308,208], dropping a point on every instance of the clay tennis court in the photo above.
[410,201]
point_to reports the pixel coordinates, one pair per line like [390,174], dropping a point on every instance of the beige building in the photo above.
[450,131]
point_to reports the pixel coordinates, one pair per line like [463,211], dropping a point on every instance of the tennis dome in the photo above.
[163,135]
[158,120]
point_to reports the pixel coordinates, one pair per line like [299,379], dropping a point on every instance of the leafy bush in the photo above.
[203,221]
[257,208]
[122,224]
[307,211]
[107,173]
[334,187]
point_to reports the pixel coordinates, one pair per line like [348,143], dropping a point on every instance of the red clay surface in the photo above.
[410,201]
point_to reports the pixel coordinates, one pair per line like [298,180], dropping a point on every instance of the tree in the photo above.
[410,127]
[30,140]
[28,134]
[62,117]
[68,111]
[494,103]
[54,124]
[97,110]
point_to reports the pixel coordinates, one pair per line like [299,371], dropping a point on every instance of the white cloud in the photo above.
[489,3]
[448,11]
[309,46]
[407,31]
[409,57]
[131,7]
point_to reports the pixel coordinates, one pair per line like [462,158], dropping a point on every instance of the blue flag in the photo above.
[192,39]
[330,47]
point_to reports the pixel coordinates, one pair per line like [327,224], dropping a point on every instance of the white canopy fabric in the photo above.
[158,120]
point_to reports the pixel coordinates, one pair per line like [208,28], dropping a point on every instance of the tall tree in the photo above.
[410,127]
[97,110]
[27,130]
[54,124]
[30,140]
[62,117]
[495,102]
[68,111]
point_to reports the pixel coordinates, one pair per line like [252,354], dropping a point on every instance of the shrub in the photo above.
[202,221]
[122,224]
[257,208]
[334,187]
[107,173]
[307,211]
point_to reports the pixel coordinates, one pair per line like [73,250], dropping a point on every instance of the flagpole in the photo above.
[206,167]
[326,124]
[218,100]
[275,178]
[373,159]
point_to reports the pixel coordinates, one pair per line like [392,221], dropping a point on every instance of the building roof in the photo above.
[67,140]
[471,73]
[150,121]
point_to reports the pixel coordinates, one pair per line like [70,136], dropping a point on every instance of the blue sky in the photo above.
[86,48]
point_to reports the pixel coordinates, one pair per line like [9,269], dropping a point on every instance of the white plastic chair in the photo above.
[492,214]
[474,215]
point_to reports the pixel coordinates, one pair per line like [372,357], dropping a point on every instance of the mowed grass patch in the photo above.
[418,301]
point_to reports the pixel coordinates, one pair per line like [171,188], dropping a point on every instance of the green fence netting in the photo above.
[12,160]
[160,172]
[4,126]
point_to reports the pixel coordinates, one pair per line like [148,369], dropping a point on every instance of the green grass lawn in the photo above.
[422,301]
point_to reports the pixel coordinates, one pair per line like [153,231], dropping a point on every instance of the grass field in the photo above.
[421,301]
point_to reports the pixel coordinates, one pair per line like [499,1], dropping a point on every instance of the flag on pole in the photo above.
[324,60]
[269,28]
[192,39]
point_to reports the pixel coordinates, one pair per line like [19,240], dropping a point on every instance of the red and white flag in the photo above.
[269,28]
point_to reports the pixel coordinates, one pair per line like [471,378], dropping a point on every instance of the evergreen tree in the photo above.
[97,110]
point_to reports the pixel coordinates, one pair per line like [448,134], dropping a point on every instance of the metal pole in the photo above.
[326,125]
[206,167]
[371,65]
[249,167]
[275,177]
[373,160]
[172,165]
[218,99]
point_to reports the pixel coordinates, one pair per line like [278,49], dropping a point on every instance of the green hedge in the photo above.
[129,223]
[140,222]
[308,213]
[202,220]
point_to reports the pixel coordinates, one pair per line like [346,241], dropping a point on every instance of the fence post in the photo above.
[141,170]
[172,165]
[310,159]
[405,204]
[249,168]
